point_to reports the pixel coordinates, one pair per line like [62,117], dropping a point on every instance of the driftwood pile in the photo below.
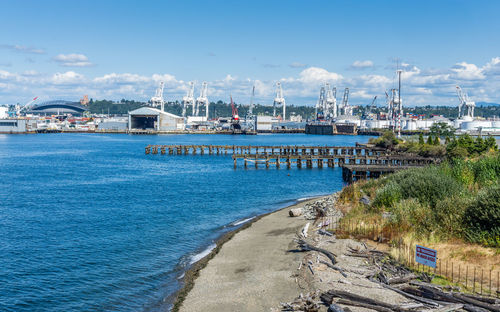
[307,303]
[398,278]
[393,276]
[324,206]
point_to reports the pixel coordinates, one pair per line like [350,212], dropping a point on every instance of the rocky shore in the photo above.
[297,263]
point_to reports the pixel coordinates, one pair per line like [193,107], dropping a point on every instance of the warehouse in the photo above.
[148,118]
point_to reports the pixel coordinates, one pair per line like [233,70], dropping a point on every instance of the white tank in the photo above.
[372,124]
[475,125]
[411,125]
[3,112]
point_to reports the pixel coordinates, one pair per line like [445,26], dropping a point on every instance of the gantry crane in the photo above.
[157,100]
[346,109]
[188,99]
[203,99]
[250,109]
[330,102]
[279,100]
[465,103]
[321,104]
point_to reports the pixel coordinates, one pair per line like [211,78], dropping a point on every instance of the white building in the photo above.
[148,118]
[4,112]
[12,125]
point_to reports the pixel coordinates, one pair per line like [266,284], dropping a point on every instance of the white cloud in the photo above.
[362,64]
[72,60]
[492,67]
[69,77]
[420,86]
[22,49]
[318,75]
[297,65]
[467,71]
[119,79]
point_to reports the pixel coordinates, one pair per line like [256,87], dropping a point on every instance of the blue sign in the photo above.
[426,256]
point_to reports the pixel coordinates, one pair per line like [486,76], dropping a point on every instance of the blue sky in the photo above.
[122,49]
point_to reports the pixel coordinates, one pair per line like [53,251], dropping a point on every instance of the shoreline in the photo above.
[193,272]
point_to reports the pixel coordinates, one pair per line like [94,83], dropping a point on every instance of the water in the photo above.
[88,222]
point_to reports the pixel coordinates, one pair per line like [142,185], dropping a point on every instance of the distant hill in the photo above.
[485,104]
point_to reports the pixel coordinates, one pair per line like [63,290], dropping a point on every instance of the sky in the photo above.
[123,49]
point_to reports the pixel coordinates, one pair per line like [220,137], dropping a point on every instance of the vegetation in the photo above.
[458,199]
[217,109]
[485,110]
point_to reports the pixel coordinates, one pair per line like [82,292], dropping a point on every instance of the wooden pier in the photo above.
[357,162]
[270,150]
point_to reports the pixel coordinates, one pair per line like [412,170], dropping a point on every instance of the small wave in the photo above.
[182,276]
[304,198]
[201,255]
[238,222]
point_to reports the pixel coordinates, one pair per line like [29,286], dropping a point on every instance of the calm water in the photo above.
[91,223]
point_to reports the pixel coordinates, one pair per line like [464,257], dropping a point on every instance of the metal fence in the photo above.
[471,278]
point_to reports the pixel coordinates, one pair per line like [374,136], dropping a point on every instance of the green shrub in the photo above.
[428,185]
[387,195]
[448,216]
[482,218]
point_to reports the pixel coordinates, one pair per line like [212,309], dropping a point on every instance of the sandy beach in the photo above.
[252,270]
[259,268]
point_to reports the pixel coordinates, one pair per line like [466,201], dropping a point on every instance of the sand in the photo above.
[253,271]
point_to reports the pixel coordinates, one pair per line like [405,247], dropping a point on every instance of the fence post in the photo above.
[474,281]
[452,272]
[466,275]
[490,281]
[481,281]
[459,273]
[446,270]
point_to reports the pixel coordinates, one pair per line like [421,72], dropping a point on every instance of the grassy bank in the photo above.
[459,199]
[455,201]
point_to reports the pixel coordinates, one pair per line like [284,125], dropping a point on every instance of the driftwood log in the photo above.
[328,296]
[477,303]
[363,305]
[336,268]
[295,212]
[401,279]
[472,308]
[335,308]
[304,246]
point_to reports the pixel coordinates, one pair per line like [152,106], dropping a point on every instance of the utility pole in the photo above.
[400,108]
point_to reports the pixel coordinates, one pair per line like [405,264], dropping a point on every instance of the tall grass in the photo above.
[457,199]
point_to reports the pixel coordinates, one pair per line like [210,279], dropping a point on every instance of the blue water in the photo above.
[88,222]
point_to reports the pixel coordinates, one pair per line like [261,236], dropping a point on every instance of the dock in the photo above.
[357,162]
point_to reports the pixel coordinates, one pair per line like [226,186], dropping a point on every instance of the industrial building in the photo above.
[58,107]
[148,118]
[12,125]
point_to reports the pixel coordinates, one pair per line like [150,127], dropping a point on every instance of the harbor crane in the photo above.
[346,108]
[321,104]
[203,99]
[25,107]
[465,103]
[188,99]
[235,118]
[279,100]
[370,108]
[157,100]
[330,102]
[390,107]
[250,109]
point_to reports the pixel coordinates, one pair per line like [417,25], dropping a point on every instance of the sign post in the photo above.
[426,256]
